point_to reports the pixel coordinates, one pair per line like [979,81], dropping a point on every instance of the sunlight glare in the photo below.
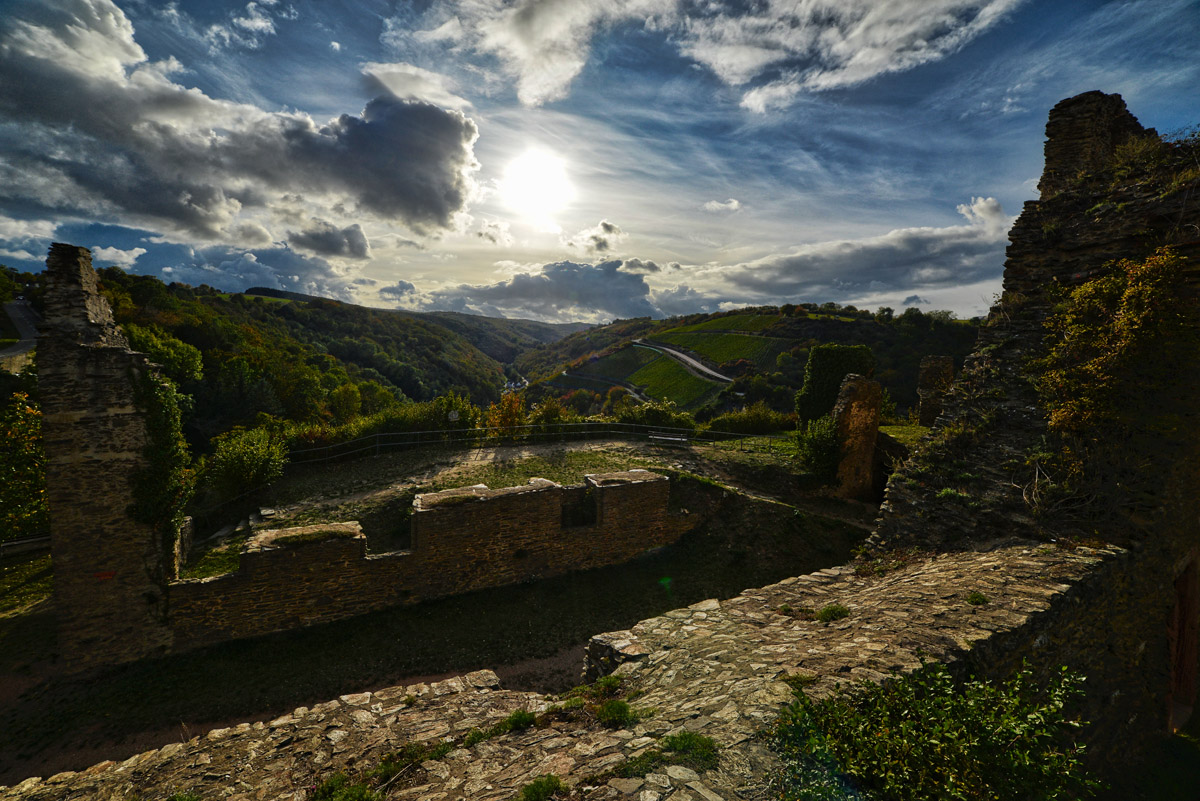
[536,186]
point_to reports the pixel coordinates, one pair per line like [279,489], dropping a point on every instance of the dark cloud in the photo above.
[685,300]
[234,269]
[495,232]
[599,239]
[93,127]
[639,266]
[329,240]
[561,291]
[902,260]
[915,300]
[397,290]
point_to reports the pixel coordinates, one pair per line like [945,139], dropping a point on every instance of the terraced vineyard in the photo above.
[725,347]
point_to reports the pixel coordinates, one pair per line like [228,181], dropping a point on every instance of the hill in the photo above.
[308,359]
[764,350]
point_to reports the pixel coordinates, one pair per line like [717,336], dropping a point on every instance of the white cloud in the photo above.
[719,207]
[335,47]
[116,256]
[414,83]
[250,26]
[816,44]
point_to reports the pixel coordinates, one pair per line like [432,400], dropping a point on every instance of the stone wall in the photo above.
[463,539]
[109,581]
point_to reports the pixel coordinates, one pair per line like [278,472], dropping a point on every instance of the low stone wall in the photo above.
[463,539]
[716,668]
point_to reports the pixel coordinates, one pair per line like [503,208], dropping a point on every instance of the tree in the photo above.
[827,366]
[23,510]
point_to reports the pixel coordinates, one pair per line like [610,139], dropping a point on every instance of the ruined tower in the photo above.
[109,580]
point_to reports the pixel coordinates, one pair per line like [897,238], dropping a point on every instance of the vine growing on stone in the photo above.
[164,486]
[1111,384]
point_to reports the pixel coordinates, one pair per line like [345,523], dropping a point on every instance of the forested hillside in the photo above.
[241,356]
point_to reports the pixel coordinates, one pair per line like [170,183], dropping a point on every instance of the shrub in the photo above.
[832,612]
[686,748]
[661,413]
[976,598]
[820,448]
[245,459]
[926,736]
[615,714]
[23,511]
[827,366]
[755,419]
[542,788]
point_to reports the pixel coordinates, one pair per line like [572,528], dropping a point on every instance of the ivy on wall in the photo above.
[164,486]
[1112,383]
[827,366]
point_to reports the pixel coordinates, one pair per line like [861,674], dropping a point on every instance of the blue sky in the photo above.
[560,159]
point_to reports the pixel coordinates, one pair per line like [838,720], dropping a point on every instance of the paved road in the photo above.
[685,360]
[26,320]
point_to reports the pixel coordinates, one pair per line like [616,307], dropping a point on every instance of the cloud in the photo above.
[235,269]
[249,27]
[329,240]
[786,46]
[915,300]
[561,291]
[640,266]
[682,299]
[901,260]
[335,46]
[496,232]
[717,207]
[827,44]
[397,290]
[115,256]
[599,239]
[414,83]
[544,45]
[98,130]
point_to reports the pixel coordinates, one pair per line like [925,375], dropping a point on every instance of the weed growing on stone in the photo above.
[521,719]
[542,788]
[616,714]
[926,735]
[691,750]
[831,612]
[798,681]
[977,598]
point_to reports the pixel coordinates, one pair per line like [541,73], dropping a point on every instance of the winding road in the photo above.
[687,361]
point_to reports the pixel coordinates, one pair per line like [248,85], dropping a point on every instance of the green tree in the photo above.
[23,510]
[827,366]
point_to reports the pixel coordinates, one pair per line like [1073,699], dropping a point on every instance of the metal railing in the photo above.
[382,442]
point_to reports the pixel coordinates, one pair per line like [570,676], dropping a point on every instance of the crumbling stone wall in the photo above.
[463,539]
[856,415]
[109,581]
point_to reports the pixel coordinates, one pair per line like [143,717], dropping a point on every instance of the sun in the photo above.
[536,187]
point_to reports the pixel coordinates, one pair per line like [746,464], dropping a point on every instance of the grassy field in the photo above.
[620,364]
[728,347]
[668,379]
[907,434]
[734,322]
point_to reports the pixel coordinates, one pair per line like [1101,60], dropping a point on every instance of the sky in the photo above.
[560,160]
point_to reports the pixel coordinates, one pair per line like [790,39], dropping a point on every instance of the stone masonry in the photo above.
[856,415]
[109,579]
[462,540]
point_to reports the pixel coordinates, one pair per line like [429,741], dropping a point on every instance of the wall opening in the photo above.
[1185,616]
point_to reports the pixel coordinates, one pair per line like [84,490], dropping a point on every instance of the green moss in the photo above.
[542,788]
[832,612]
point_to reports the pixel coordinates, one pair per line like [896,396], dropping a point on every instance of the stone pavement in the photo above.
[715,668]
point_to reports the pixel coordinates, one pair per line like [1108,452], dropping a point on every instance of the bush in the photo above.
[615,714]
[543,788]
[832,612]
[926,736]
[23,511]
[755,419]
[820,448]
[244,460]
[827,366]
[659,414]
